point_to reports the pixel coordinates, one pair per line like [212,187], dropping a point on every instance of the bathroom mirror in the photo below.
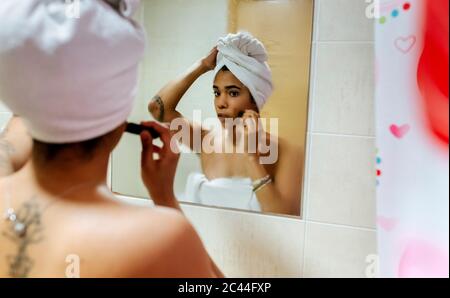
[180,33]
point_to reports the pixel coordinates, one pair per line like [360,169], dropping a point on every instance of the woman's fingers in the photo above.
[165,136]
[250,114]
[147,148]
[162,129]
[211,59]
[213,53]
[250,118]
[157,149]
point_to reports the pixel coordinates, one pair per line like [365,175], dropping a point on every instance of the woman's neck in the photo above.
[57,177]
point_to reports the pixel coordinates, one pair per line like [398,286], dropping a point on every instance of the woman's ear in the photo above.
[113,137]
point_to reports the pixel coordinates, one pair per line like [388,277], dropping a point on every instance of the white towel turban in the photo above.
[246,57]
[70,72]
[126,7]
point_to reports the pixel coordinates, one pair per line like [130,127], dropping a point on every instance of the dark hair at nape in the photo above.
[46,152]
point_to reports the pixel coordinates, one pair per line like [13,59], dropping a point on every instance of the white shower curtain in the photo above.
[412,139]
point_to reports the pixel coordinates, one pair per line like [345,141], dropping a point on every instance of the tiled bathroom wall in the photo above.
[339,197]
[336,236]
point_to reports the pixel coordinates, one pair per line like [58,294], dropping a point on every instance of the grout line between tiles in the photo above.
[343,226]
[342,135]
[344,42]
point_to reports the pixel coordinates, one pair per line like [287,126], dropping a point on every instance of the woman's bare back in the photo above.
[94,237]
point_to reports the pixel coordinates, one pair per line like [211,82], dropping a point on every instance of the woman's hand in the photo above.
[158,175]
[209,62]
[252,131]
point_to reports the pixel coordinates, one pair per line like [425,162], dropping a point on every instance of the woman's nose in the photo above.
[222,102]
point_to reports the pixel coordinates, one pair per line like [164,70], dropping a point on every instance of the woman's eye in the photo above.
[234,93]
[216,94]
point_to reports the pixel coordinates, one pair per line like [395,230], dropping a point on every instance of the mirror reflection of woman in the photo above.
[241,87]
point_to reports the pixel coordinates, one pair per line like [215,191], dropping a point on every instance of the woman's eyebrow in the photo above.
[232,87]
[228,87]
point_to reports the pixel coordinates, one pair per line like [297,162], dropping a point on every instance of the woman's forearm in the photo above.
[268,196]
[170,202]
[164,103]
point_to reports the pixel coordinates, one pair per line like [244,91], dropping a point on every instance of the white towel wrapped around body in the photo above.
[72,77]
[235,192]
[246,57]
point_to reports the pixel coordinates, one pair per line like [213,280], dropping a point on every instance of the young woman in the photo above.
[58,217]
[241,87]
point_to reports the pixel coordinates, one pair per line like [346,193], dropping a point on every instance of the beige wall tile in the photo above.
[249,244]
[344,20]
[342,181]
[344,89]
[333,251]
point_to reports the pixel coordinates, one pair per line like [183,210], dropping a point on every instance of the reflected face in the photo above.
[231,96]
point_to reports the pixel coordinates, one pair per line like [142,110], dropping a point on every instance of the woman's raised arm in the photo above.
[164,103]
